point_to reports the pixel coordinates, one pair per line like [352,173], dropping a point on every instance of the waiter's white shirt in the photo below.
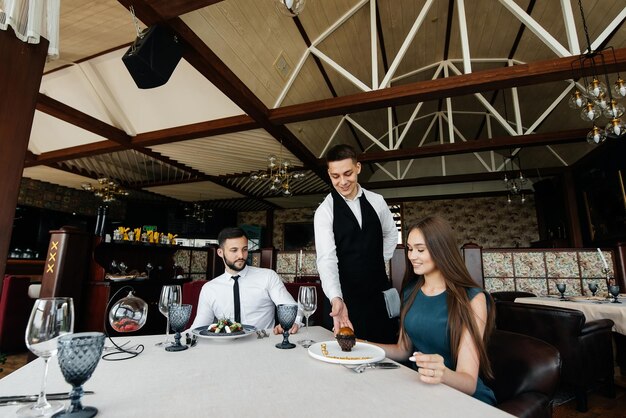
[260,290]
[327,262]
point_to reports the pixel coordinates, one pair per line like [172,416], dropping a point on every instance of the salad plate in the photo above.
[330,352]
[203,332]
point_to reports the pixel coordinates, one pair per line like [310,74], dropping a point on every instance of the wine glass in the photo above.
[307,300]
[170,295]
[149,268]
[593,288]
[286,318]
[79,355]
[50,319]
[614,291]
[178,316]
[561,288]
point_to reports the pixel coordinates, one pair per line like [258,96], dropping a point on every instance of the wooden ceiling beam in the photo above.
[459,178]
[72,153]
[155,11]
[493,79]
[196,130]
[75,117]
[507,142]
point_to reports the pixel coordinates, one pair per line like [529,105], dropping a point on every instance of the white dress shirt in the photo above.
[260,290]
[327,263]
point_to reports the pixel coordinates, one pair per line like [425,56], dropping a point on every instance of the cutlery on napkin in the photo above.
[12,400]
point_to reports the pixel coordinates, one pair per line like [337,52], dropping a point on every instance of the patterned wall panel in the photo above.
[538,272]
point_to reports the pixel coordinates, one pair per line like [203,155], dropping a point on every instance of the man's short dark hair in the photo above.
[228,233]
[341,152]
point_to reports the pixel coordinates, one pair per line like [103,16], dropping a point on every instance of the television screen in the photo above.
[298,236]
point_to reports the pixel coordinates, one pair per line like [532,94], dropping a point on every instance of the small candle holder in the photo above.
[607,276]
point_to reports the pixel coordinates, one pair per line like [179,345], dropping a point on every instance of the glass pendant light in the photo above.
[577,101]
[620,87]
[589,112]
[291,8]
[596,88]
[596,135]
[615,128]
[615,110]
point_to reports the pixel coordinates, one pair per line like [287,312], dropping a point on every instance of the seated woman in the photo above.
[445,320]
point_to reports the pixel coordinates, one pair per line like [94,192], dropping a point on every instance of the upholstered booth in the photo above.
[526,374]
[586,348]
[191,293]
[15,307]
[511,295]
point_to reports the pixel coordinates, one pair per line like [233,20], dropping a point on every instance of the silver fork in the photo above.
[357,369]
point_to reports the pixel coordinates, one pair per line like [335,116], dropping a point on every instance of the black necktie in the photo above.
[236,298]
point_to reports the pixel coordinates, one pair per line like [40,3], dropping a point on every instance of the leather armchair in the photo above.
[15,307]
[586,348]
[191,294]
[511,295]
[526,374]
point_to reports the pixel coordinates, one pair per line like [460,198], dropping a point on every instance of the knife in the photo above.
[383,365]
[12,400]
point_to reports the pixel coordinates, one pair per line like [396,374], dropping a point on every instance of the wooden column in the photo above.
[21,68]
[571,207]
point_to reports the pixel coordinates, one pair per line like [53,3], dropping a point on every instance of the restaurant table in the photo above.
[591,308]
[248,377]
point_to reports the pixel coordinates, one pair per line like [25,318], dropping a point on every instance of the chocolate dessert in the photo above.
[346,339]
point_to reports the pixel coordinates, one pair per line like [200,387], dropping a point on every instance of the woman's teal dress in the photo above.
[426,324]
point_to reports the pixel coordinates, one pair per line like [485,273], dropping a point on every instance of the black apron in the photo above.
[362,270]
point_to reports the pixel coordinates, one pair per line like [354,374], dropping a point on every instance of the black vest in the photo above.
[362,269]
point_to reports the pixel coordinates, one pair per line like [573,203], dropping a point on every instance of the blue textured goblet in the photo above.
[614,290]
[561,288]
[593,287]
[286,318]
[79,355]
[179,315]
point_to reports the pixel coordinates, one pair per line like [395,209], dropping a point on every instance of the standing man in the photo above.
[355,235]
[243,293]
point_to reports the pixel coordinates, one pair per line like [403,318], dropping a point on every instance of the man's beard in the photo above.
[233,266]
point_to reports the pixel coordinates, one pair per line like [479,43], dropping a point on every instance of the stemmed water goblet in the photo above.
[49,319]
[593,288]
[307,301]
[561,288]
[286,318]
[170,295]
[178,316]
[614,291]
[79,355]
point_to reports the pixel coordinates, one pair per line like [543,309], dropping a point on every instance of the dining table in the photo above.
[248,377]
[592,307]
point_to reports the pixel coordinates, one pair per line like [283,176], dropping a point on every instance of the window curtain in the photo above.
[32,19]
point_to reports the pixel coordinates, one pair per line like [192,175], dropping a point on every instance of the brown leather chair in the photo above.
[526,374]
[511,295]
[15,307]
[586,347]
[191,293]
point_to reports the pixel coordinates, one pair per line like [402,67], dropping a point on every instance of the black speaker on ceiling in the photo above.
[152,58]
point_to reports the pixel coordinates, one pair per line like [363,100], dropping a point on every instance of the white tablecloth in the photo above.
[590,308]
[248,377]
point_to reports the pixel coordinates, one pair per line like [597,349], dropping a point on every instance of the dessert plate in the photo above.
[330,352]
[203,332]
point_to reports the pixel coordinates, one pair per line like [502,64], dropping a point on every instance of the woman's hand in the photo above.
[430,367]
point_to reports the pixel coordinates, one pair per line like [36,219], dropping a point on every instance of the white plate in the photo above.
[361,353]
[203,332]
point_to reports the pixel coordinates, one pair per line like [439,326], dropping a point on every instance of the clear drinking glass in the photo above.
[170,294]
[307,300]
[50,319]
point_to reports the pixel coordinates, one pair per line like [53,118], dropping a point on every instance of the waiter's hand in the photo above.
[339,313]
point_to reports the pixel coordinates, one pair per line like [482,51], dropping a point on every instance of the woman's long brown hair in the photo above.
[441,243]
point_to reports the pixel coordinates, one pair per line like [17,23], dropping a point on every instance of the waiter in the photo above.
[355,235]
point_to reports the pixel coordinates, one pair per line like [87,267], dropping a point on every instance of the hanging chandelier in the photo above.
[514,179]
[108,190]
[597,98]
[198,212]
[278,174]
